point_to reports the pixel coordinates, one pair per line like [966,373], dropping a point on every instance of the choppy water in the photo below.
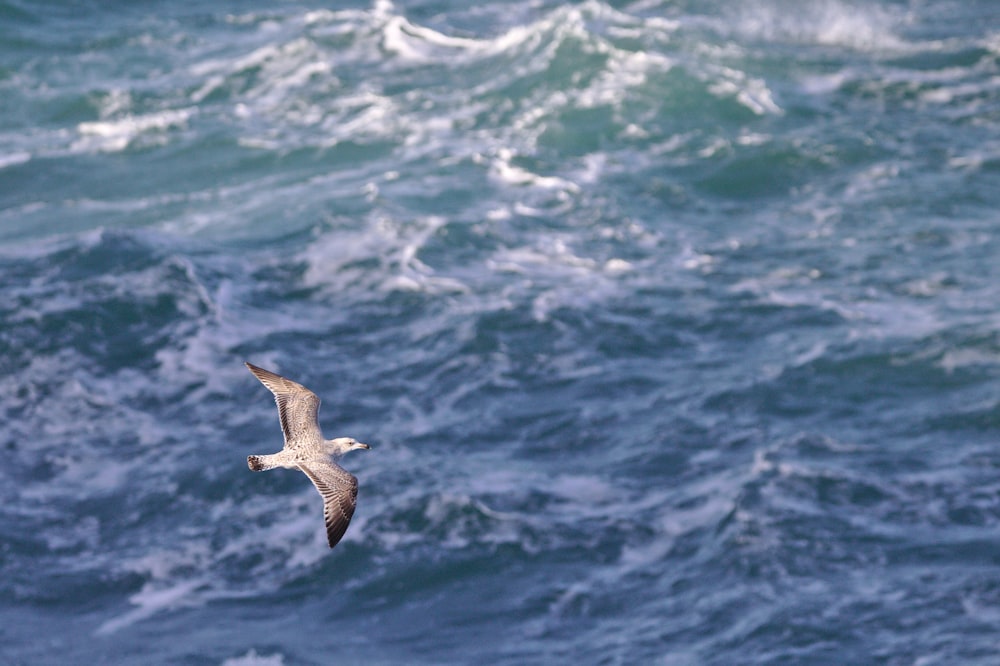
[673,326]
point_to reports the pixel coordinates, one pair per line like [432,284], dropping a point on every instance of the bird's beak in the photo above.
[363,446]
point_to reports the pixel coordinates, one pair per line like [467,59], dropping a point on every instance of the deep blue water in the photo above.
[673,327]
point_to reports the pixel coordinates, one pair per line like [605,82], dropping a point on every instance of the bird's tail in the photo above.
[259,463]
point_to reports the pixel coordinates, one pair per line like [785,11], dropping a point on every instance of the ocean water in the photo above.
[673,326]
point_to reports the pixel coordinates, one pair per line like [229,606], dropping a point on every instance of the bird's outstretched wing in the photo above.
[339,489]
[297,408]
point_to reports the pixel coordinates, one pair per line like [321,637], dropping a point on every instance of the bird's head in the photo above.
[342,445]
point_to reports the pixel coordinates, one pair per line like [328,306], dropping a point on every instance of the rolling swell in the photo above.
[671,326]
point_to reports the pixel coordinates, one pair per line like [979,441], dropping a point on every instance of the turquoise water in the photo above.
[673,327]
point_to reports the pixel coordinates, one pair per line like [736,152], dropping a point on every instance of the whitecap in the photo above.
[624,71]
[861,26]
[510,174]
[751,92]
[14,158]
[117,135]
[956,359]
[152,599]
[338,258]
[251,658]
[418,43]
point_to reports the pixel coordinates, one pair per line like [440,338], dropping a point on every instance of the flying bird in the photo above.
[306,450]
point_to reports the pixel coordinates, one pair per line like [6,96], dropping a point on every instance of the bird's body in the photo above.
[306,450]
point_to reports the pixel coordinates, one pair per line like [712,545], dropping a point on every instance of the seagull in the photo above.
[306,450]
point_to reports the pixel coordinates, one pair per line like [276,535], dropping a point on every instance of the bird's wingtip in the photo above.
[256,369]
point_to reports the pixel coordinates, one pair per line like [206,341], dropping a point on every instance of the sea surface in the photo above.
[674,327]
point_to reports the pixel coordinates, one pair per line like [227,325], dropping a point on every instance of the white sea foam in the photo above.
[861,26]
[514,175]
[421,44]
[625,71]
[151,600]
[953,360]
[588,491]
[14,158]
[251,658]
[197,571]
[117,135]
[567,280]
[336,259]
[751,92]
